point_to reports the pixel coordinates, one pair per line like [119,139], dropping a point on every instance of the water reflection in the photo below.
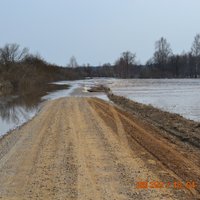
[174,95]
[17,109]
[13,109]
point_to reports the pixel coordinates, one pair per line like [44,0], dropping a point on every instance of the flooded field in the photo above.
[180,96]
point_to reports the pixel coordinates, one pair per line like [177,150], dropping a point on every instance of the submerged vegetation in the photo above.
[23,73]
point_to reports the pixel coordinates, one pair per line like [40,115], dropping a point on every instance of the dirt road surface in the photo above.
[86,149]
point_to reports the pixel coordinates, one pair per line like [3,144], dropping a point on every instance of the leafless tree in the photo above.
[12,53]
[72,62]
[150,62]
[162,51]
[124,63]
[128,58]
[195,50]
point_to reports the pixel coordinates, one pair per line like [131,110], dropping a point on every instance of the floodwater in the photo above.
[14,112]
[79,88]
[180,96]
[18,109]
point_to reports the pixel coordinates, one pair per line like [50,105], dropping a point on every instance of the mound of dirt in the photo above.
[99,88]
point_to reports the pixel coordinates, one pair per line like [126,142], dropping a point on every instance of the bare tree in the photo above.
[162,51]
[72,62]
[129,58]
[124,64]
[12,53]
[195,50]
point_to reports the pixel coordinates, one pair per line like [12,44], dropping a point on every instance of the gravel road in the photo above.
[87,149]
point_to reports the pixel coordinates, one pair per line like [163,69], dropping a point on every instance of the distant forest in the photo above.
[163,64]
[21,70]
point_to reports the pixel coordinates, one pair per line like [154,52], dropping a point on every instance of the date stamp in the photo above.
[161,185]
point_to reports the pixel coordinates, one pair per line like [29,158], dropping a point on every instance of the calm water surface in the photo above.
[180,96]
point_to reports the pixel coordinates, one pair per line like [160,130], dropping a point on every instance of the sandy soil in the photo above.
[85,148]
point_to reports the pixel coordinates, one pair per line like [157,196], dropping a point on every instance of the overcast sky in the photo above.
[98,31]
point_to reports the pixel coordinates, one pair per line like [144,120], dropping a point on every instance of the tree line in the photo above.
[23,70]
[163,64]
